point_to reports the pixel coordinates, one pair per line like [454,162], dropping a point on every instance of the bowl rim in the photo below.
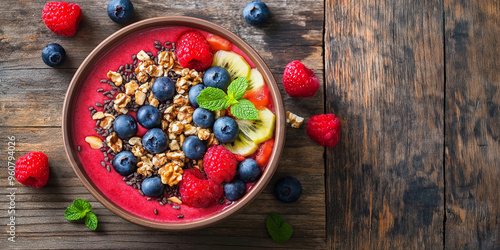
[280,126]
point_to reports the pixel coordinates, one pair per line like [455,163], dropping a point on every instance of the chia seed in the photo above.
[103,163]
[104,80]
[176,207]
[100,90]
[156,211]
[140,192]
[79,148]
[180,216]
[110,96]
[97,104]
[228,202]
[148,199]
[112,92]
[129,183]
[93,112]
[91,108]
[108,168]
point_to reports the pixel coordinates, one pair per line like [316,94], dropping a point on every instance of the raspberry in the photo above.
[62,18]
[324,129]
[219,164]
[193,51]
[32,169]
[299,81]
[197,191]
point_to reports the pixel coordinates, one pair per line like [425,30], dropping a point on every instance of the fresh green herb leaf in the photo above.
[82,205]
[213,99]
[230,99]
[279,230]
[91,221]
[73,213]
[238,87]
[245,110]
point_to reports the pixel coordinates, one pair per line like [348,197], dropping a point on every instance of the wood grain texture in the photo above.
[384,79]
[31,97]
[472,32]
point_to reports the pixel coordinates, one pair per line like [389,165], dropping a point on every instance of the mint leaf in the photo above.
[73,213]
[82,205]
[279,230]
[244,110]
[213,99]
[91,221]
[238,87]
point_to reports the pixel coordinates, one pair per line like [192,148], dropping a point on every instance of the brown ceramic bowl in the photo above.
[84,70]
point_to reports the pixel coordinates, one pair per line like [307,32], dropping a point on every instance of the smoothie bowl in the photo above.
[174,123]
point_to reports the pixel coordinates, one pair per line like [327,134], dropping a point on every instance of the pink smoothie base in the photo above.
[111,183]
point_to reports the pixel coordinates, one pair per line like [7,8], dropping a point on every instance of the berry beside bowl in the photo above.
[144,139]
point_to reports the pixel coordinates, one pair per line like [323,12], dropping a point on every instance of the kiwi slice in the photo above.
[243,145]
[261,129]
[255,80]
[233,63]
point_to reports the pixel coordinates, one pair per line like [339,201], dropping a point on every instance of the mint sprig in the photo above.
[215,99]
[81,209]
[279,230]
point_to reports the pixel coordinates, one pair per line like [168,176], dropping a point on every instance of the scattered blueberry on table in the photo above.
[53,55]
[256,13]
[120,11]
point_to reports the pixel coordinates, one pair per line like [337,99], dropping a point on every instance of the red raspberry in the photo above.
[32,169]
[299,81]
[193,51]
[219,164]
[197,191]
[324,129]
[62,18]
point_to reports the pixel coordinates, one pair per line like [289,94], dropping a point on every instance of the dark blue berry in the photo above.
[226,129]
[125,126]
[53,54]
[155,141]
[194,148]
[163,89]
[217,77]
[287,189]
[256,13]
[125,163]
[235,189]
[195,92]
[149,117]
[120,11]
[249,170]
[203,117]
[152,186]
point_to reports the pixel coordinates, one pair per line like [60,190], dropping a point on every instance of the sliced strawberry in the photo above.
[264,152]
[239,157]
[218,43]
[259,97]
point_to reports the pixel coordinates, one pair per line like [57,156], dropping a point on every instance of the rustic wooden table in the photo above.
[415,84]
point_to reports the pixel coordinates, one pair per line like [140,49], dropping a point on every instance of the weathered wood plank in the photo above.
[472,32]
[384,79]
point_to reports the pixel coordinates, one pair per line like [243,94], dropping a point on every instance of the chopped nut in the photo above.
[170,113]
[174,145]
[199,165]
[94,142]
[154,70]
[185,115]
[176,155]
[145,87]
[181,139]
[140,97]
[160,160]
[294,120]
[107,122]
[98,115]
[131,87]
[153,101]
[182,85]
[142,77]
[184,72]
[171,174]
[115,77]
[174,200]
[135,141]
[120,110]
[212,140]
[181,100]
[142,56]
[190,130]
[219,113]
[203,133]
[122,100]
[164,125]
[145,167]
[166,59]
[114,143]
[176,128]
[139,151]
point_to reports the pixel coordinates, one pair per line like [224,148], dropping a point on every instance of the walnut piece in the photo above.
[131,87]
[135,141]
[115,77]
[190,129]
[182,85]
[145,167]
[142,77]
[181,100]
[139,151]
[107,122]
[175,128]
[171,174]
[154,71]
[94,142]
[114,143]
[170,113]
[166,59]
[142,56]
[174,145]
[153,101]
[212,140]
[140,97]
[98,115]
[159,160]
[145,87]
[185,115]
[294,120]
[176,155]
[203,133]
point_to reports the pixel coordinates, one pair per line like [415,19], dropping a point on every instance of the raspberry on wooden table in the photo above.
[324,129]
[62,18]
[197,191]
[32,169]
[219,164]
[193,51]
[299,81]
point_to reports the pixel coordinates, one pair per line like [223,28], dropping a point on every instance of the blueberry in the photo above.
[226,129]
[149,117]
[203,117]
[195,92]
[256,13]
[249,170]
[163,89]
[235,189]
[53,55]
[194,148]
[155,141]
[152,186]
[120,11]
[125,126]
[125,163]
[217,77]
[287,189]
